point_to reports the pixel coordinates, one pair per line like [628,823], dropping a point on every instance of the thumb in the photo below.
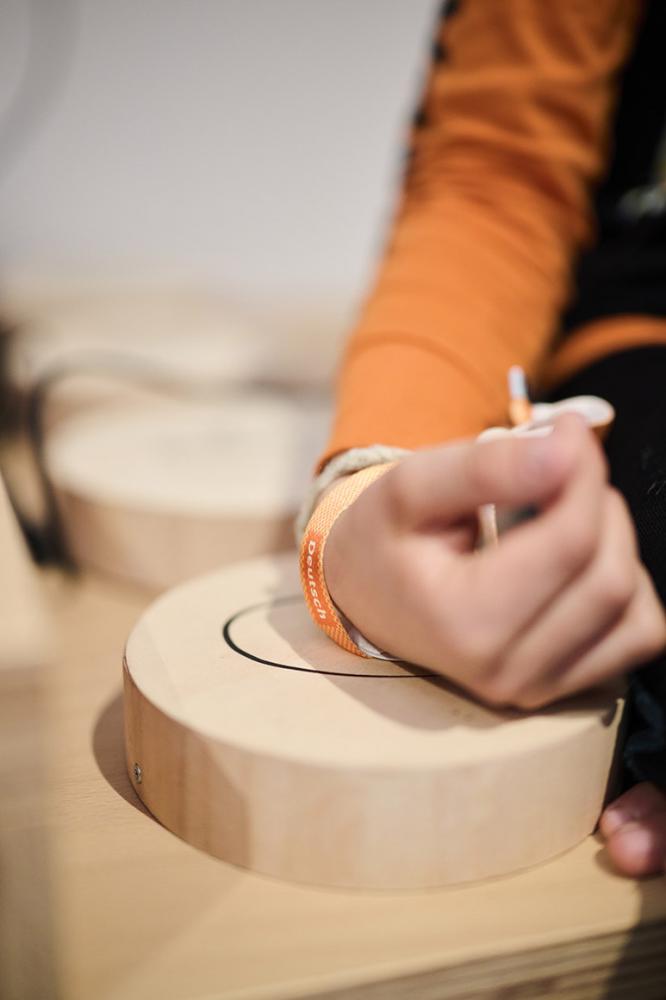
[450,482]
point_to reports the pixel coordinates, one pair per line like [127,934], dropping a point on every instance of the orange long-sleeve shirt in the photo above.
[513,135]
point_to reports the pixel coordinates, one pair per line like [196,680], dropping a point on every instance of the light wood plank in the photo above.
[25,908]
[142,914]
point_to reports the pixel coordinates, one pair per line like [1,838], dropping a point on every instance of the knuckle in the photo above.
[530,700]
[591,453]
[514,684]
[497,686]
[474,643]
[646,622]
[619,511]
[576,546]
[652,639]
[495,695]
[617,587]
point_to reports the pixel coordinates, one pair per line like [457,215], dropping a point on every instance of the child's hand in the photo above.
[559,605]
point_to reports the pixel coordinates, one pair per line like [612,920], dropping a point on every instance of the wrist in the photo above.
[341,466]
[323,609]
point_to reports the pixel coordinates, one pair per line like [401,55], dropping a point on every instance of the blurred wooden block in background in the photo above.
[161,491]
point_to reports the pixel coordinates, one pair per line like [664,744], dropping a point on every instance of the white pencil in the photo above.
[520,408]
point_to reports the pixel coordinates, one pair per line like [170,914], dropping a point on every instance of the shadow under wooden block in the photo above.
[251,735]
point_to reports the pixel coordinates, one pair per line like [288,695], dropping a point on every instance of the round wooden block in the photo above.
[156,493]
[255,738]
[194,335]
[190,336]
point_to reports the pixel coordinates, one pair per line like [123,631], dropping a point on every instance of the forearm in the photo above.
[495,205]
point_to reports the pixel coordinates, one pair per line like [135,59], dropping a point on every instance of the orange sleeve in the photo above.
[496,203]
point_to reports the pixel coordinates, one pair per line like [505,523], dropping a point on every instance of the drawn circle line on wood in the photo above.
[292,599]
[334,781]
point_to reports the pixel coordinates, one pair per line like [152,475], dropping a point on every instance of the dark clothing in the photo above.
[635,383]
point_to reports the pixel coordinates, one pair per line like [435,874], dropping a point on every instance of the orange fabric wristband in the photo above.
[319,602]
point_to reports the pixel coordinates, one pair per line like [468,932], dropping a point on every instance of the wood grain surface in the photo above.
[26,954]
[254,737]
[142,914]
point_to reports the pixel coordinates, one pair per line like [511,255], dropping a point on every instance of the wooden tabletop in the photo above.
[26,918]
[140,914]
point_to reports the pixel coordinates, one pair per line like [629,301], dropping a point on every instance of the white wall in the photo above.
[250,145]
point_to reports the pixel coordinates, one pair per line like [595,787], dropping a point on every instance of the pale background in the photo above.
[251,146]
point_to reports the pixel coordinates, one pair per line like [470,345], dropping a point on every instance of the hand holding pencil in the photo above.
[560,604]
[527,419]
